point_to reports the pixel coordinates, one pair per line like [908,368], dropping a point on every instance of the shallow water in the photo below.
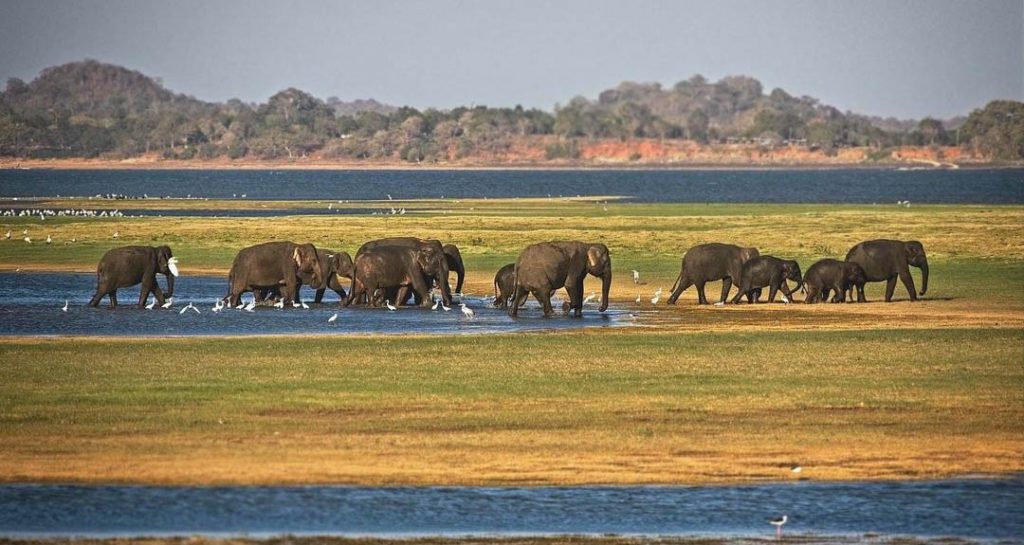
[765,186]
[229,212]
[986,509]
[30,304]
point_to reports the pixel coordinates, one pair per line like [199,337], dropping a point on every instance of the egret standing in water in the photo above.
[437,302]
[387,303]
[65,307]
[778,523]
[151,304]
[333,318]
[467,311]
[170,301]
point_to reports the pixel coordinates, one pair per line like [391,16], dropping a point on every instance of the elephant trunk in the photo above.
[924,276]
[446,290]
[170,285]
[460,276]
[606,284]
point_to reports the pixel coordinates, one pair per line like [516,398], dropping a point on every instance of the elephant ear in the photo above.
[596,257]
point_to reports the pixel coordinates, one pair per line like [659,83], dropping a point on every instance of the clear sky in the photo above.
[882,57]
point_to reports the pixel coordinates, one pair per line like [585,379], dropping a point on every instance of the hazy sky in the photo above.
[881,57]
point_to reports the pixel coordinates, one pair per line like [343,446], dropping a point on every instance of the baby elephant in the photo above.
[768,271]
[832,275]
[504,285]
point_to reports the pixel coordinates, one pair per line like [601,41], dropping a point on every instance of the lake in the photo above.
[987,186]
[968,508]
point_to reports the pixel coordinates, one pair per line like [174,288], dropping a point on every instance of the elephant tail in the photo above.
[676,284]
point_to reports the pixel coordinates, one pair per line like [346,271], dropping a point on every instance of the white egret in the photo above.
[437,302]
[65,307]
[151,305]
[251,306]
[117,234]
[636,276]
[590,298]
[24,231]
[387,303]
[49,239]
[8,234]
[28,240]
[796,469]
[170,301]
[467,311]
[333,318]
[279,303]
[778,523]
[389,196]
[187,308]
[305,306]
[240,306]
[446,309]
[657,297]
[638,298]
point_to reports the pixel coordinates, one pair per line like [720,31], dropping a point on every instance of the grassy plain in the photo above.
[691,395]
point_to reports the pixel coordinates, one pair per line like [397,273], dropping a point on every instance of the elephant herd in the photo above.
[407,270]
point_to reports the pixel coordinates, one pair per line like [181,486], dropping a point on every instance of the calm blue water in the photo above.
[987,509]
[991,186]
[30,304]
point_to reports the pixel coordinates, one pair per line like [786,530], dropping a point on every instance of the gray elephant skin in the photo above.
[384,269]
[768,271]
[504,285]
[890,259]
[710,262]
[832,276]
[334,268]
[273,265]
[130,265]
[547,266]
[427,247]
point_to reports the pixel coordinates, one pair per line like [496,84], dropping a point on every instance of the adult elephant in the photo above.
[386,268]
[130,265]
[273,265]
[768,271]
[544,267]
[427,247]
[888,259]
[504,285]
[710,262]
[335,267]
[832,276]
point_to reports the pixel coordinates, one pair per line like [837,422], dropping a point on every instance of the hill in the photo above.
[90,109]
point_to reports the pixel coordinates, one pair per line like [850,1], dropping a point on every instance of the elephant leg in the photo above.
[773,290]
[420,288]
[726,288]
[739,296]
[97,297]
[811,293]
[144,289]
[701,298]
[319,296]
[543,296]
[113,298]
[908,282]
[683,285]
[518,298]
[890,287]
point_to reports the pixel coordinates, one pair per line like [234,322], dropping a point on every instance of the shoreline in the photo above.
[160,164]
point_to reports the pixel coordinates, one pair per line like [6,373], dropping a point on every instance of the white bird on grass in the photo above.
[170,301]
[24,231]
[638,298]
[636,276]
[65,307]
[49,239]
[657,297]
[333,318]
[8,234]
[467,311]
[117,234]
[778,523]
[389,306]
[28,240]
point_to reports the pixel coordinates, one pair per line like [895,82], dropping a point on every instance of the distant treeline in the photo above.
[91,109]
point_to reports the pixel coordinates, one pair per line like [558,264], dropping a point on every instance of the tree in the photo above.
[697,125]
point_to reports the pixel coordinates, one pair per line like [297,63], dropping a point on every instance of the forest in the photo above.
[91,109]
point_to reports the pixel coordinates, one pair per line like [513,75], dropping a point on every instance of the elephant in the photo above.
[768,271]
[334,267]
[387,267]
[504,284]
[832,275]
[544,267]
[887,259]
[273,265]
[709,262]
[427,247]
[130,265]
